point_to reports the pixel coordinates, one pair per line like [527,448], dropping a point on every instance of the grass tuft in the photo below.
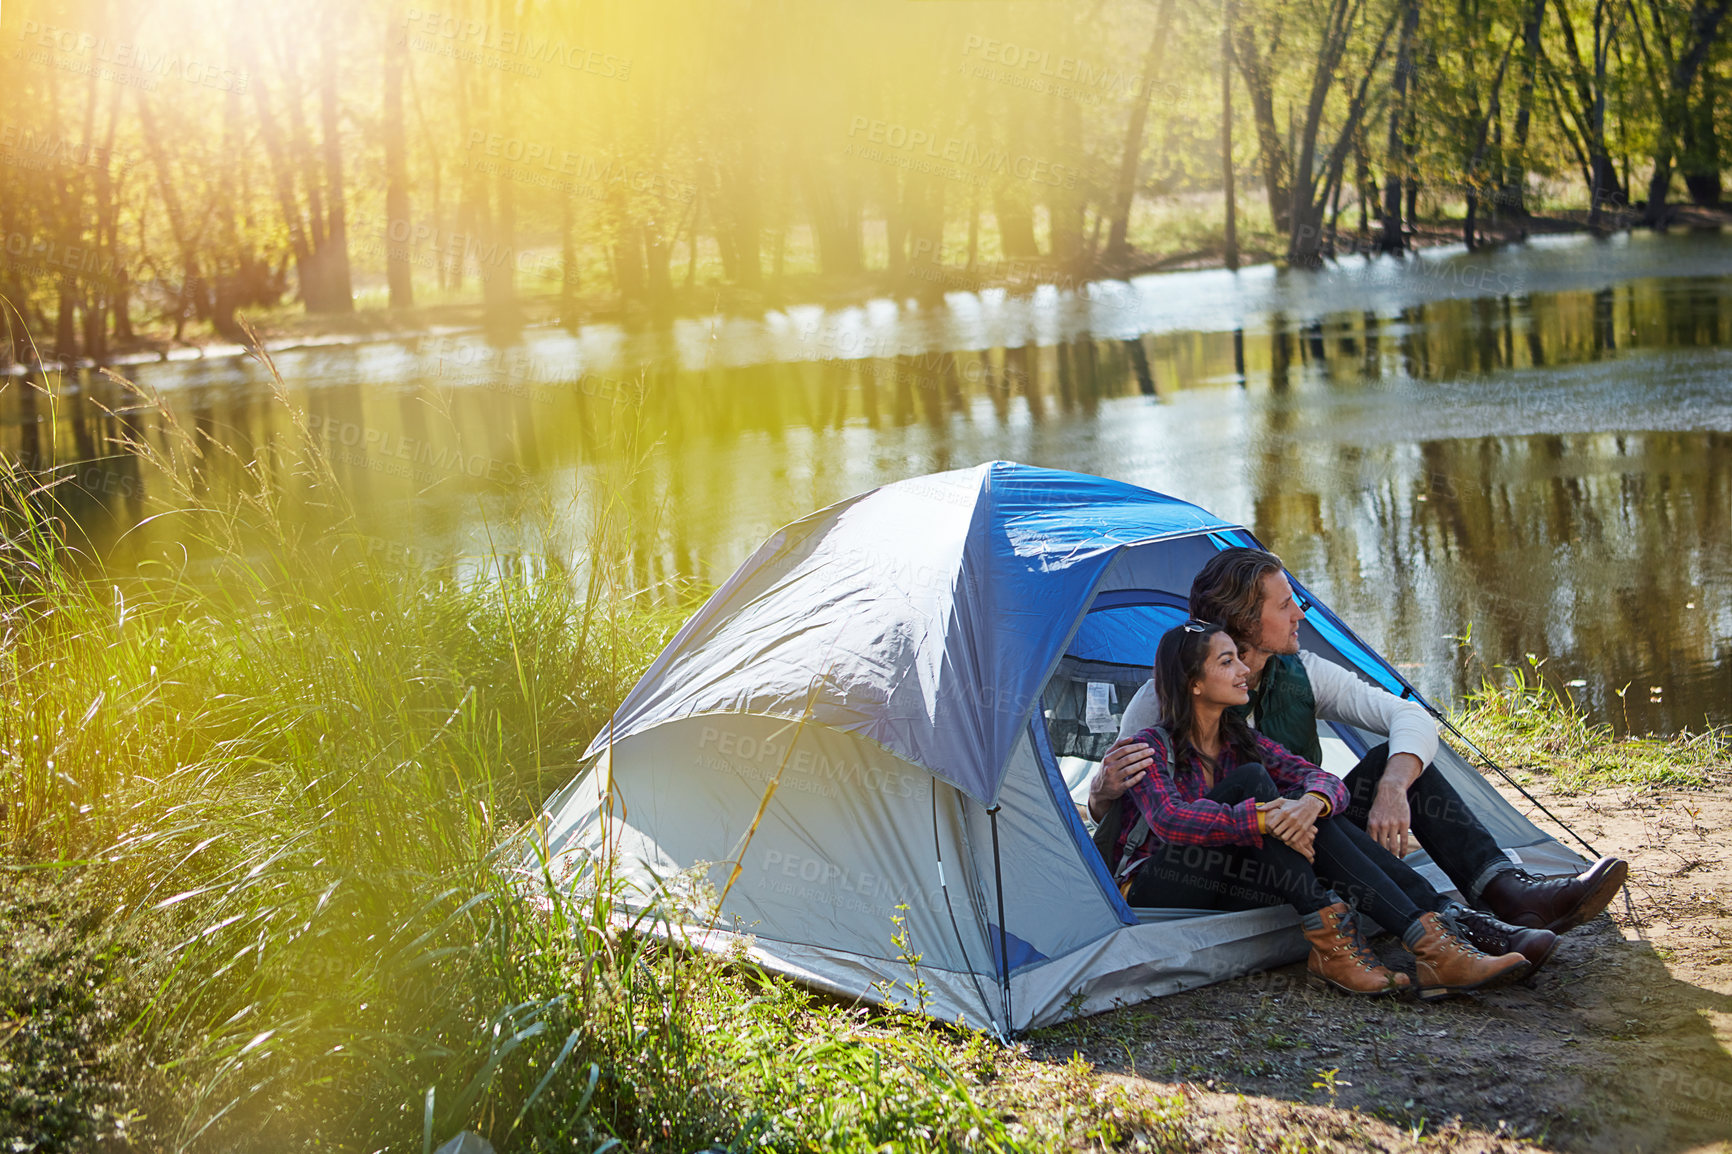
[261,880]
[1525,723]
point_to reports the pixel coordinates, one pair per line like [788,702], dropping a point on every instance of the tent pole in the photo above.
[1629,905]
[1003,946]
[1465,740]
[938,853]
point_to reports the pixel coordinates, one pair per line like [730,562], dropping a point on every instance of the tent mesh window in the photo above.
[1066,701]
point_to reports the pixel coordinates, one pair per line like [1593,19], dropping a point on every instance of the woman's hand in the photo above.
[1288,817]
[1293,821]
[1305,844]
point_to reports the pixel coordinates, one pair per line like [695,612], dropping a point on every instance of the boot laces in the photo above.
[1470,924]
[1354,939]
[1536,880]
[1456,934]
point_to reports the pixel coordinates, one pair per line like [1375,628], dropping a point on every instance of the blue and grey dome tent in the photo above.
[888,706]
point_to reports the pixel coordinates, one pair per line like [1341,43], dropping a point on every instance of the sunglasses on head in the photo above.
[1195,626]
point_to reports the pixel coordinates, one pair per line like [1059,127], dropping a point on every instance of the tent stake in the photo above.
[1003,945]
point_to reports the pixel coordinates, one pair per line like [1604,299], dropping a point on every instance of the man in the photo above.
[1391,792]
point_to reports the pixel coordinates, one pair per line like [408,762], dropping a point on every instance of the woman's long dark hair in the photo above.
[1178,664]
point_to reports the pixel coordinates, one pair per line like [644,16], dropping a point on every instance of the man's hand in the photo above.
[1388,821]
[1124,765]
[1293,822]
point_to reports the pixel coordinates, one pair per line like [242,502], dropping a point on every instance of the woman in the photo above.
[1269,812]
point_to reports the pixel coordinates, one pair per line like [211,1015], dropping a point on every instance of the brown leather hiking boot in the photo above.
[1449,965]
[1555,904]
[1340,957]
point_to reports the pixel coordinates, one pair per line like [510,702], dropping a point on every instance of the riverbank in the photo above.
[1621,1043]
[254,897]
[1194,244]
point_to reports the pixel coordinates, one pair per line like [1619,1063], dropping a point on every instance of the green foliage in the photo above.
[297,784]
[68,988]
[1524,722]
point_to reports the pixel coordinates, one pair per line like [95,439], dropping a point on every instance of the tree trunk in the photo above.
[1130,159]
[497,259]
[283,179]
[1015,226]
[336,259]
[628,268]
[1589,111]
[1700,163]
[657,250]
[1514,194]
[836,223]
[66,323]
[745,207]
[1399,148]
[1232,233]
[1259,87]
[895,195]
[568,282]
[925,197]
[1705,19]
[192,288]
[316,290]
[1067,207]
[235,275]
[1305,242]
[398,233]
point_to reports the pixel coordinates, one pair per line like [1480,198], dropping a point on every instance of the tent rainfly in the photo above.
[887,709]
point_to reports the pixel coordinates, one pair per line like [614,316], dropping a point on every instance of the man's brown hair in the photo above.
[1229,590]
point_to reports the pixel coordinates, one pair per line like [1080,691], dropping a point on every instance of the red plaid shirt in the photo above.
[1178,812]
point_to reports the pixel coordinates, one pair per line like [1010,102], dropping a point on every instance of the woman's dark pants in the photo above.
[1237,877]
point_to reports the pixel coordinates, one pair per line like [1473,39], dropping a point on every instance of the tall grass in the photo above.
[1524,721]
[285,791]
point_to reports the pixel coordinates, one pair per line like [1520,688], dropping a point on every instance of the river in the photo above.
[1533,443]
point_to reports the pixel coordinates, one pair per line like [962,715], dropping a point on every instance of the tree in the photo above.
[1581,94]
[1674,57]
[1513,193]
[1310,174]
[397,224]
[1130,161]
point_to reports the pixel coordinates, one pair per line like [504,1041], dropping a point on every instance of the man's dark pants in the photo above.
[1443,824]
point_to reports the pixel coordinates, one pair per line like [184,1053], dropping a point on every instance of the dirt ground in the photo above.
[1623,1042]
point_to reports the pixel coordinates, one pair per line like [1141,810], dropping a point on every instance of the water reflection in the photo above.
[1552,466]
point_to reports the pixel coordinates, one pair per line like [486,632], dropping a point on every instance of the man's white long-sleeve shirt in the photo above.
[1341,696]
